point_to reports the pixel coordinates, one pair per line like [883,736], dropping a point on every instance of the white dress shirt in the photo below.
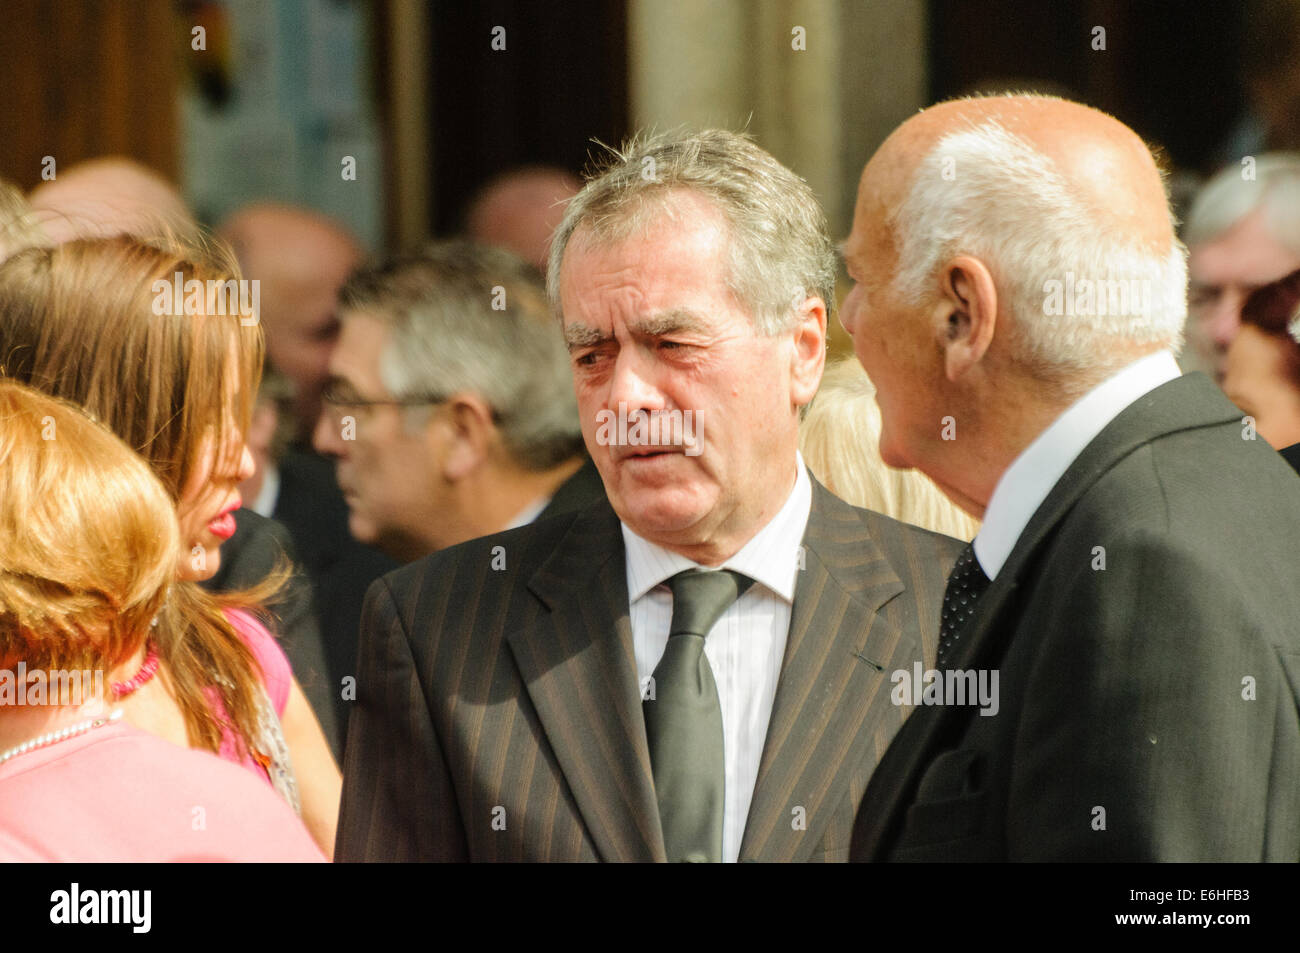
[269,494]
[1033,474]
[746,646]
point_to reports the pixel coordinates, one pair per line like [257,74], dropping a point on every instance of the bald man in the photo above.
[519,209]
[1129,602]
[108,196]
[301,259]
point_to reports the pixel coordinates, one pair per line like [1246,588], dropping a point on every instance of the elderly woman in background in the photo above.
[88,550]
[87,321]
[1263,365]
[840,441]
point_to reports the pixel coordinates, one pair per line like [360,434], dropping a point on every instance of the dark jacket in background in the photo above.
[312,508]
[1291,455]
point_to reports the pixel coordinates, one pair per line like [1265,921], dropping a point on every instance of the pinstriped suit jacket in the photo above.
[498,715]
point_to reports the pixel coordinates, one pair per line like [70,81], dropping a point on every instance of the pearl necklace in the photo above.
[62,734]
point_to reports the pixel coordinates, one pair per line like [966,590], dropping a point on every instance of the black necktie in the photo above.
[966,583]
[683,719]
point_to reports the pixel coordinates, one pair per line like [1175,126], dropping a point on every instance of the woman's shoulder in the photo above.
[45,814]
[276,673]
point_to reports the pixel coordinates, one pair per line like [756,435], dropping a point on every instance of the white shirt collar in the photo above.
[269,494]
[771,557]
[1031,476]
[528,513]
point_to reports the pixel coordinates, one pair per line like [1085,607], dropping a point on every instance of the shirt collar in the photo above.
[1031,476]
[269,494]
[770,557]
[528,513]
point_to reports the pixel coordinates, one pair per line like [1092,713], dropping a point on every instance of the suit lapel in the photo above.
[580,490]
[1183,403]
[578,664]
[833,693]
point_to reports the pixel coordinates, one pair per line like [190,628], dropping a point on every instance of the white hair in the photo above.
[1270,181]
[985,192]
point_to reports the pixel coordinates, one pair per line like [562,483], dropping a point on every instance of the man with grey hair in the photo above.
[449,410]
[1243,232]
[1131,587]
[695,669]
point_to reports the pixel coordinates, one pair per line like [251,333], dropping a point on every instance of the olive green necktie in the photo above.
[683,719]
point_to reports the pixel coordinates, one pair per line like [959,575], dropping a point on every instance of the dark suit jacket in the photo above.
[499,716]
[340,569]
[1148,710]
[1291,455]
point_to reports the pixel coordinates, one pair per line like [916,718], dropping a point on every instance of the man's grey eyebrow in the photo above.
[580,335]
[669,322]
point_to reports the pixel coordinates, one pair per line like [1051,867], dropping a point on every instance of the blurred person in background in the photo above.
[301,259]
[83,321]
[89,544]
[457,383]
[110,195]
[1242,232]
[1263,366]
[520,209]
[839,437]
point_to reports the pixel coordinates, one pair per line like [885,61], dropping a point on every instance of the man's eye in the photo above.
[586,360]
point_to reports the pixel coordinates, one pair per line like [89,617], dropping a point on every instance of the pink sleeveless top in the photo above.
[277,677]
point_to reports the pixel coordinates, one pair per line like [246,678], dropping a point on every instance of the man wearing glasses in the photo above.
[450,410]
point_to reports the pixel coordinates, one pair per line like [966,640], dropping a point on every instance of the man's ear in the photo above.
[470,435]
[808,356]
[969,308]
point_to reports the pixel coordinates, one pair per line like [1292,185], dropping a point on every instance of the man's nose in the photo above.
[633,382]
[1223,323]
[327,437]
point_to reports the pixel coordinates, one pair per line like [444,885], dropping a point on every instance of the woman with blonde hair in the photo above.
[88,550]
[840,441]
[174,376]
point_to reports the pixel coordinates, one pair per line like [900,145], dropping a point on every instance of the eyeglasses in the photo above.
[342,398]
